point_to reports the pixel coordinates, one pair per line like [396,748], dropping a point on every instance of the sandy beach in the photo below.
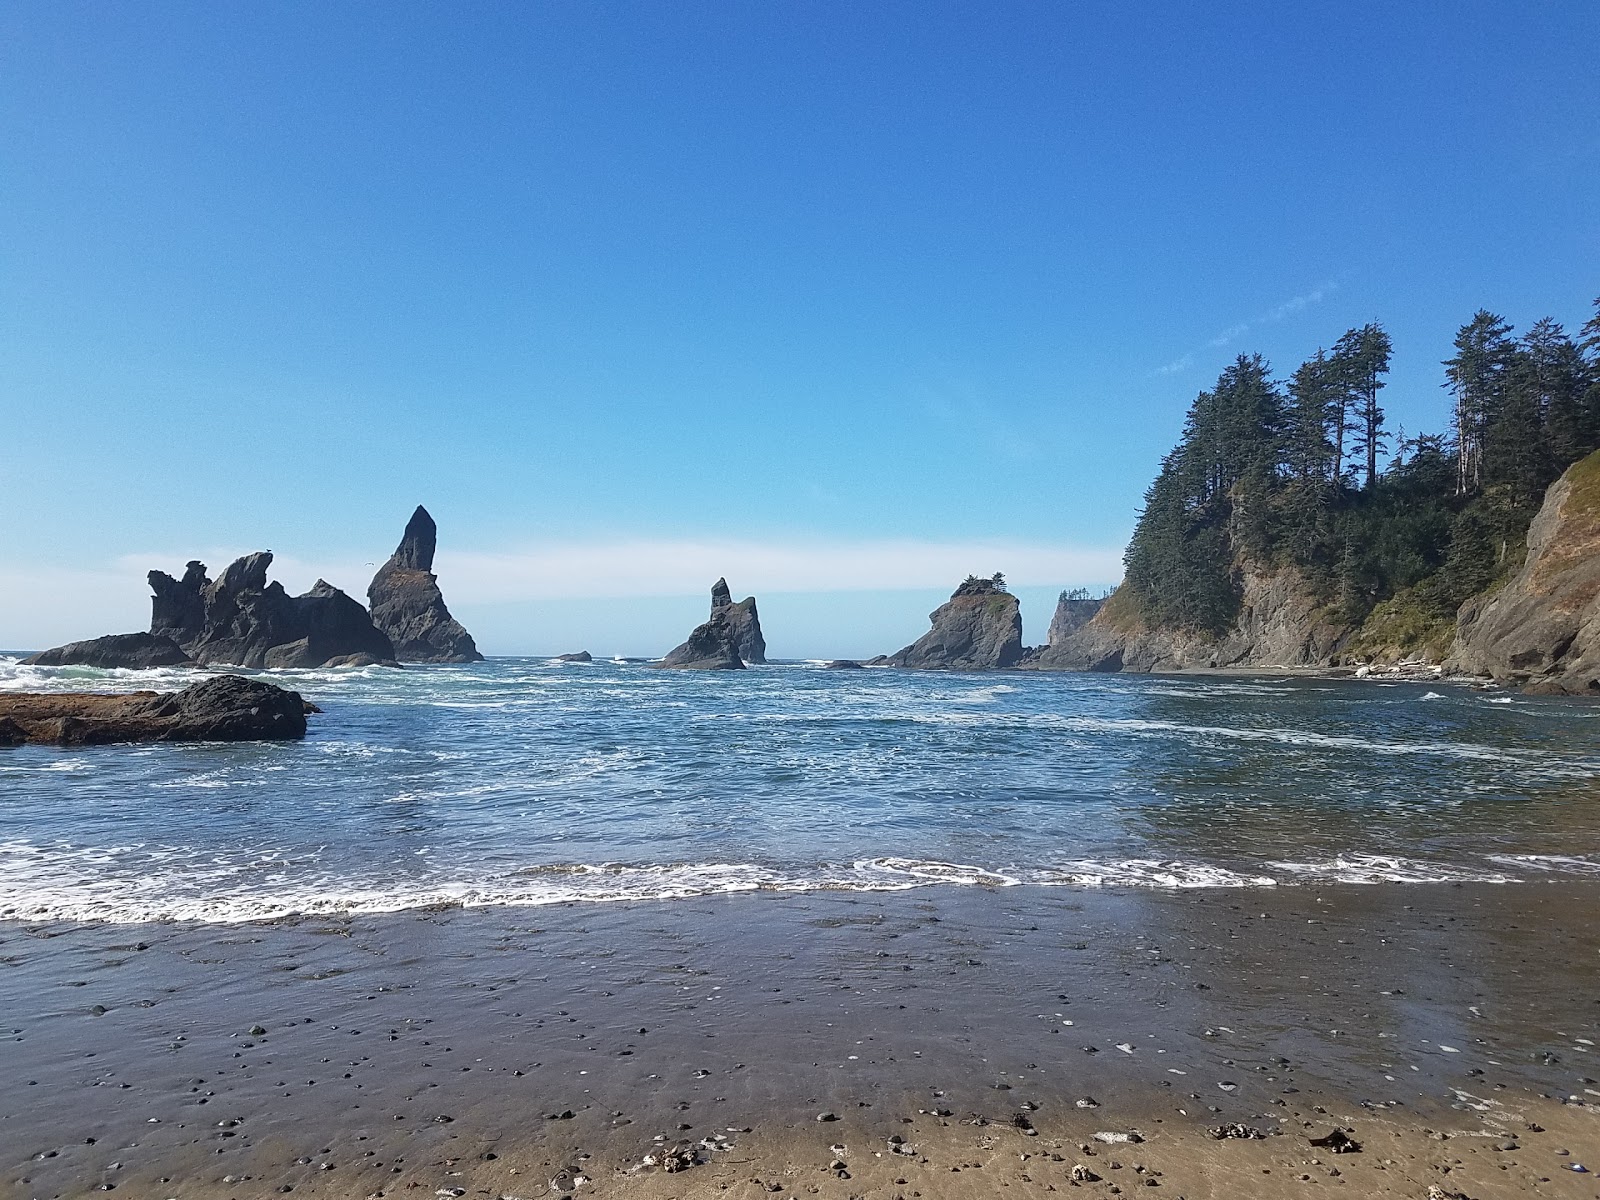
[937,1042]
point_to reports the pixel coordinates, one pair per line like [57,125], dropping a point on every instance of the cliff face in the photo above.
[408,606]
[978,629]
[241,619]
[1070,616]
[1542,628]
[1280,624]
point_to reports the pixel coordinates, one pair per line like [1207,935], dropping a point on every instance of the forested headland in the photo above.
[1388,533]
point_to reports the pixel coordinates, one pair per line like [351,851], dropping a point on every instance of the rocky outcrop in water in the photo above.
[978,629]
[408,606]
[241,619]
[225,708]
[1542,629]
[125,651]
[1281,623]
[743,620]
[582,656]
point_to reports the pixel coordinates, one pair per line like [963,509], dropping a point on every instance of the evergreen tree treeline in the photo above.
[1272,475]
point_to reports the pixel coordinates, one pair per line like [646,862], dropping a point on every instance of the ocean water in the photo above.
[524,781]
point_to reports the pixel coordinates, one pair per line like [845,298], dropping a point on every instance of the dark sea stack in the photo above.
[711,647]
[978,629]
[125,651]
[246,621]
[844,664]
[224,708]
[744,621]
[409,608]
[178,609]
[1542,629]
[582,656]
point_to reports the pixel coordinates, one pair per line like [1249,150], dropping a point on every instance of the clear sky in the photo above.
[842,300]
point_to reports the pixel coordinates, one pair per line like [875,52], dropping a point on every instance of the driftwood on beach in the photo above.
[224,708]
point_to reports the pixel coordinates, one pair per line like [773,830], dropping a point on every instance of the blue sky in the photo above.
[840,300]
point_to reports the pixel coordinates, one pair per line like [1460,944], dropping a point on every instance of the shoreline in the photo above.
[1434,1021]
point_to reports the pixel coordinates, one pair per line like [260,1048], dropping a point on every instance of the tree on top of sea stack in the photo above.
[978,629]
[407,605]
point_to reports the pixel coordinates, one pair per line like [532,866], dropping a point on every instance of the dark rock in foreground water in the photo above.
[129,651]
[580,656]
[844,664]
[408,606]
[243,620]
[224,708]
[979,629]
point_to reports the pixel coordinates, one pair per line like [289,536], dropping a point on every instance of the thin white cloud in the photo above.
[1234,332]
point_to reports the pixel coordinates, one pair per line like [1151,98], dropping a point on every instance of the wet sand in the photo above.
[939,1042]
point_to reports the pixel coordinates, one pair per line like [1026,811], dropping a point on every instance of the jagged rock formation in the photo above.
[128,651]
[226,708]
[1281,623]
[744,621]
[1542,629]
[729,639]
[408,606]
[243,620]
[978,629]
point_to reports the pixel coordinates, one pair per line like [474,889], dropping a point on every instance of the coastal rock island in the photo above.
[224,708]
[127,651]
[240,619]
[1542,629]
[978,629]
[408,606]
[730,637]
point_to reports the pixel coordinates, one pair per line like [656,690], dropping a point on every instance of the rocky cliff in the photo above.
[978,629]
[1072,614]
[1280,624]
[241,619]
[742,620]
[1542,628]
[408,606]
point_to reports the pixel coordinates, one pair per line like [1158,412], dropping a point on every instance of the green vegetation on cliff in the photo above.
[1272,474]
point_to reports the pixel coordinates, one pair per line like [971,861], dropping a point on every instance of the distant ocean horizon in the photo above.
[524,781]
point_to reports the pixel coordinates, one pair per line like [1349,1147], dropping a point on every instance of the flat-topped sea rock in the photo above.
[978,629]
[408,606]
[242,619]
[582,656]
[125,651]
[223,708]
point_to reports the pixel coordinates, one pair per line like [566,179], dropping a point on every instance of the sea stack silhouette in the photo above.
[407,605]
[242,620]
[978,629]
[729,639]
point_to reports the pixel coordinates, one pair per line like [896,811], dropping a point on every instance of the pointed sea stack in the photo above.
[743,619]
[979,629]
[407,605]
[727,641]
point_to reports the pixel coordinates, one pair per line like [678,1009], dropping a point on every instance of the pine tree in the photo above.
[1360,361]
[1476,376]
